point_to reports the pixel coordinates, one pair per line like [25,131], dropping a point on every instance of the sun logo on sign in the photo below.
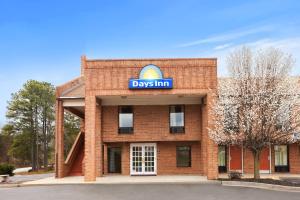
[150,72]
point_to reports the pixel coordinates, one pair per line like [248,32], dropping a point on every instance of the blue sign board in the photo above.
[151,78]
[166,83]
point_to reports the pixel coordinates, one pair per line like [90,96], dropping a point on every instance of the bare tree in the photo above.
[256,106]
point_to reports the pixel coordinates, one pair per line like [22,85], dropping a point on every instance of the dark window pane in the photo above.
[183,156]
[125,109]
[176,109]
[177,119]
[114,159]
[177,129]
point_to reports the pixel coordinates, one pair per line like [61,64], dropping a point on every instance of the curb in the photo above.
[212,182]
[261,186]
[265,186]
[10,185]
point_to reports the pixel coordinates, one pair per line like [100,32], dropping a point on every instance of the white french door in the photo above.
[143,159]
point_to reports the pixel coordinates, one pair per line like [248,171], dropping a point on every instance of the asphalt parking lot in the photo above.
[142,192]
[23,178]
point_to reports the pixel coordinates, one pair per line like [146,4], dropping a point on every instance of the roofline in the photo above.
[148,59]
[70,98]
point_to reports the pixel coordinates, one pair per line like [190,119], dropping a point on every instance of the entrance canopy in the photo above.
[76,105]
[151,100]
[72,94]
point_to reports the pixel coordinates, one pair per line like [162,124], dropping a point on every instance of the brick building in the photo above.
[150,117]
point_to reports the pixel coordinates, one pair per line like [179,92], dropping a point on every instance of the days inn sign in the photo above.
[151,77]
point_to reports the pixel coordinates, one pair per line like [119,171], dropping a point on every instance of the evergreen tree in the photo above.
[31,112]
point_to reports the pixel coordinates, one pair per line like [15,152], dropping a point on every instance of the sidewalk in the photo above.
[271,176]
[28,177]
[119,179]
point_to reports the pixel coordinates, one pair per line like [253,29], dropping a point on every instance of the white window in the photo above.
[281,155]
[125,119]
[177,119]
[222,156]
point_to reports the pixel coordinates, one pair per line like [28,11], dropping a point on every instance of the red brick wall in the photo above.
[191,76]
[111,76]
[272,159]
[248,161]
[209,148]
[151,123]
[125,165]
[166,158]
[294,151]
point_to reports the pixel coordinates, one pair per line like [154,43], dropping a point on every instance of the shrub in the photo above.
[6,169]
[233,175]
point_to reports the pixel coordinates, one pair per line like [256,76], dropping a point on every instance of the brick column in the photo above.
[208,148]
[59,140]
[93,150]
[105,159]
[99,143]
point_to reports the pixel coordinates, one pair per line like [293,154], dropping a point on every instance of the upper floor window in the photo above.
[177,119]
[125,119]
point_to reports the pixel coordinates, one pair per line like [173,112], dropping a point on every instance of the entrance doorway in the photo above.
[236,158]
[265,161]
[114,159]
[143,159]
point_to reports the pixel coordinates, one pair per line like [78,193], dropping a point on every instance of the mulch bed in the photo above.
[286,182]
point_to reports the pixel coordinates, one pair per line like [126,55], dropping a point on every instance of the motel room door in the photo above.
[235,158]
[265,161]
[143,159]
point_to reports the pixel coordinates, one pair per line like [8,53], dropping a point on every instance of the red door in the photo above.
[235,158]
[264,159]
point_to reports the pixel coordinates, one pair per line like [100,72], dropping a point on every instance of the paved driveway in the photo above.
[142,192]
[32,177]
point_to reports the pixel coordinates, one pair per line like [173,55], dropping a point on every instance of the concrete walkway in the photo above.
[30,177]
[277,176]
[119,179]
[261,186]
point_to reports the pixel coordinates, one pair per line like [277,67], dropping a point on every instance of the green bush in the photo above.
[6,169]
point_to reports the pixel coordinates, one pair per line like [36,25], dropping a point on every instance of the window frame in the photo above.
[108,159]
[125,130]
[282,168]
[177,129]
[190,156]
[222,168]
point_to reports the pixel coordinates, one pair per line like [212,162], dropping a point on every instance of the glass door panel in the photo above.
[143,159]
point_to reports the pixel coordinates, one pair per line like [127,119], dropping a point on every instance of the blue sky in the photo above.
[44,40]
